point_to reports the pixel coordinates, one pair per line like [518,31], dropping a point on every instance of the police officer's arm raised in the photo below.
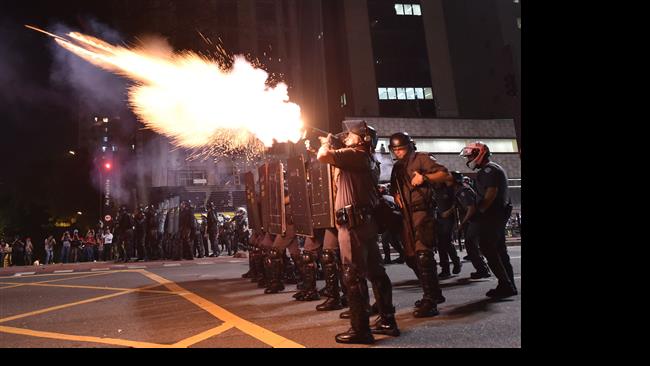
[432,172]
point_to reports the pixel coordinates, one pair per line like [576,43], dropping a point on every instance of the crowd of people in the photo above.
[147,234]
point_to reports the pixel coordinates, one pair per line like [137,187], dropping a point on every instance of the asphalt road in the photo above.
[206,304]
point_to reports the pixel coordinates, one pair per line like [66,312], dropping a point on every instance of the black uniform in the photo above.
[419,234]
[125,236]
[152,240]
[445,218]
[492,224]
[213,232]
[465,198]
[356,198]
[186,225]
[140,234]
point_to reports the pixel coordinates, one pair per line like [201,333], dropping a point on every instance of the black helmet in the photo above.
[401,139]
[209,206]
[361,128]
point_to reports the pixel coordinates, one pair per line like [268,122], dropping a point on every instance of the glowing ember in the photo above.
[194,100]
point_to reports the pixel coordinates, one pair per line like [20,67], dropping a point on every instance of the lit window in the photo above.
[408,9]
[519,23]
[383,94]
[344,100]
[105,138]
[419,93]
[428,93]
[417,10]
[391,93]
[114,148]
[105,120]
[399,9]
[103,148]
[410,93]
[401,93]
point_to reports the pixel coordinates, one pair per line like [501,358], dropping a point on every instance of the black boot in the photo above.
[251,265]
[457,265]
[359,332]
[331,290]
[258,262]
[265,261]
[277,267]
[430,286]
[310,293]
[385,323]
[290,270]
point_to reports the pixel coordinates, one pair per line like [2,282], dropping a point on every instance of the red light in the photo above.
[108,166]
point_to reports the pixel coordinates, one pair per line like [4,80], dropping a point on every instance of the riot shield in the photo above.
[277,210]
[264,195]
[251,202]
[300,202]
[322,195]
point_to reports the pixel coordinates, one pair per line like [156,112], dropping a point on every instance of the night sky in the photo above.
[38,118]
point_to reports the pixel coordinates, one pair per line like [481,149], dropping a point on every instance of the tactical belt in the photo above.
[353,216]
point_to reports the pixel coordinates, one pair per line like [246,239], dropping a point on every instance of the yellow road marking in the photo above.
[69,337]
[203,336]
[41,284]
[58,307]
[254,330]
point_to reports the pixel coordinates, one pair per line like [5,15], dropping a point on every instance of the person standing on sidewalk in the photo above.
[49,249]
[494,210]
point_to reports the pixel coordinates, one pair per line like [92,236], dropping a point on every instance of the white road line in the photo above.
[171,265]
[100,269]
[136,267]
[64,271]
[203,263]
[23,273]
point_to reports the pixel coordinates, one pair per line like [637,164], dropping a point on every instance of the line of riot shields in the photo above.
[309,183]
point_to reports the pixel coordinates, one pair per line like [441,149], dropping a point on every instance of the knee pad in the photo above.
[329,257]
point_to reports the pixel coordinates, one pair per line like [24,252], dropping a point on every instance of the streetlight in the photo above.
[79,213]
[72,152]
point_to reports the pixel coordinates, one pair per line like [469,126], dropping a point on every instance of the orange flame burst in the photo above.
[193,100]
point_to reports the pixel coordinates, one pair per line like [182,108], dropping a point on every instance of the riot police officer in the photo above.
[152,242]
[281,269]
[355,201]
[445,217]
[411,184]
[186,225]
[494,210]
[124,234]
[140,233]
[468,226]
[213,229]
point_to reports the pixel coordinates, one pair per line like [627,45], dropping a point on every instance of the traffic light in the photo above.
[511,85]
[108,166]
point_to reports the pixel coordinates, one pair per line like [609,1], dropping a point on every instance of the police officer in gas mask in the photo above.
[356,199]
